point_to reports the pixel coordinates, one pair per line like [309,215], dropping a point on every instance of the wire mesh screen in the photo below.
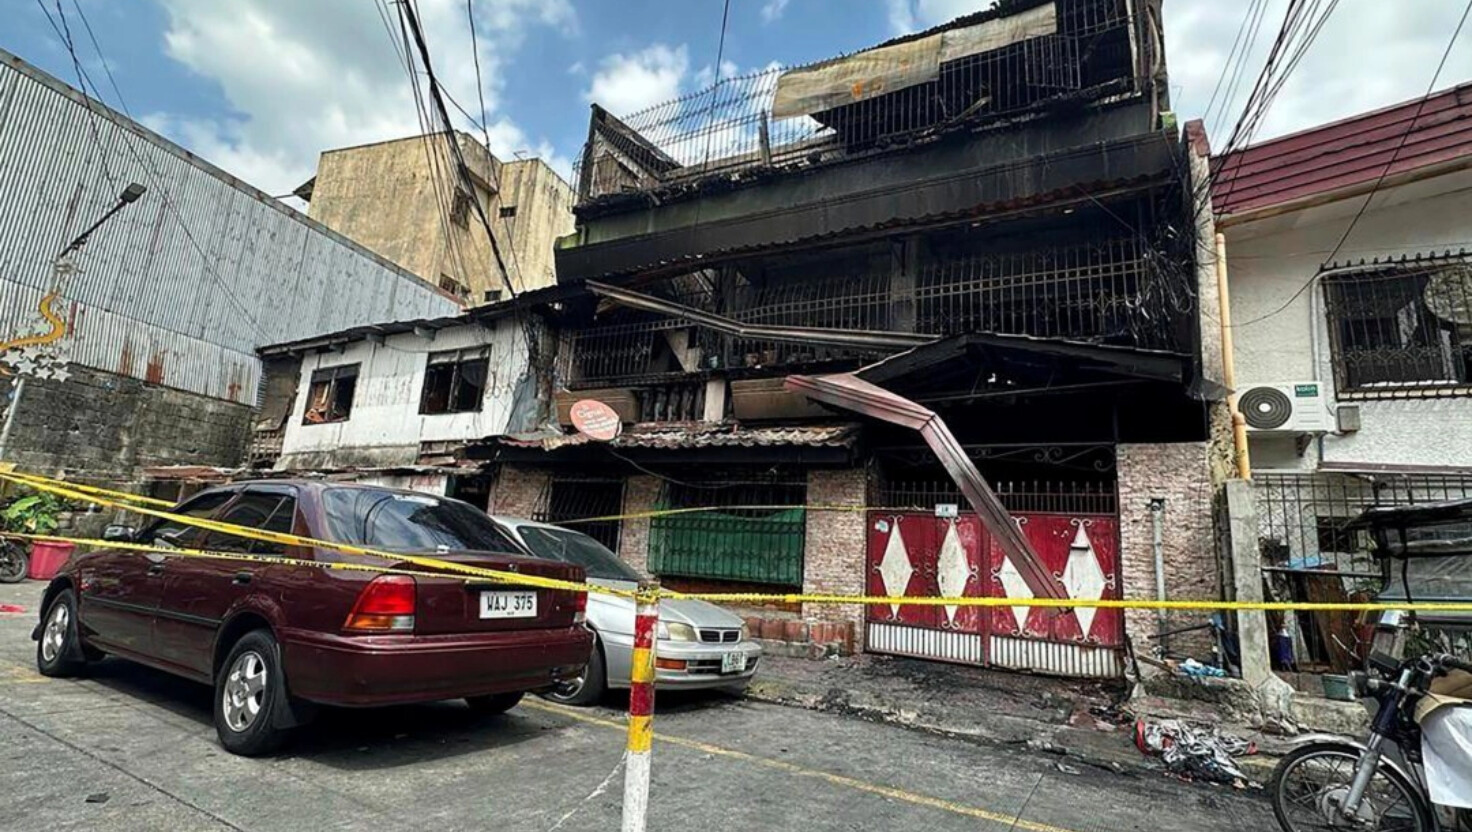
[763,545]
[1404,329]
[899,93]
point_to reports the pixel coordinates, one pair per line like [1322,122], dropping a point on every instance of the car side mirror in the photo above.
[124,534]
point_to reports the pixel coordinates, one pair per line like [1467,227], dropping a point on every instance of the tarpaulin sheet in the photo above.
[1446,745]
[874,72]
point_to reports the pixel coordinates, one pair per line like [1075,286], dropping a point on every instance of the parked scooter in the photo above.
[1331,782]
[14,562]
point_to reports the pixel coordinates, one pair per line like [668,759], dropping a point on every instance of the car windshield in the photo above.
[578,548]
[409,522]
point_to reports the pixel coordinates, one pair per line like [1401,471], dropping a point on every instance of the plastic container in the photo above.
[1337,687]
[47,558]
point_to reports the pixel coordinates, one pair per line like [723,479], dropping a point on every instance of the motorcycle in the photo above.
[1389,781]
[14,562]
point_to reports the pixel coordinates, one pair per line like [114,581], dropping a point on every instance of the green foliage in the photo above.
[32,514]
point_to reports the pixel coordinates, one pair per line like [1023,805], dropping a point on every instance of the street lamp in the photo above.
[129,195]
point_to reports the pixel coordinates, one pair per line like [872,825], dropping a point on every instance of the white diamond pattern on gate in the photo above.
[1084,578]
[1016,587]
[953,570]
[895,568]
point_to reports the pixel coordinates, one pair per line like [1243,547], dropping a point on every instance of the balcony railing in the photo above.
[796,117]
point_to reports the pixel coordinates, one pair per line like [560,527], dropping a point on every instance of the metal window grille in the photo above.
[1043,496]
[733,542]
[728,127]
[1109,288]
[584,500]
[1403,328]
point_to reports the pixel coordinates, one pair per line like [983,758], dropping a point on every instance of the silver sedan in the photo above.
[700,644]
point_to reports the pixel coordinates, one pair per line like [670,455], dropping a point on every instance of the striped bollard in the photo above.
[641,709]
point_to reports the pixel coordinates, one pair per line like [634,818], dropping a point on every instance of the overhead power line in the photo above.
[1379,180]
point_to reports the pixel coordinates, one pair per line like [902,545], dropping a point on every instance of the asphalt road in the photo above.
[132,749]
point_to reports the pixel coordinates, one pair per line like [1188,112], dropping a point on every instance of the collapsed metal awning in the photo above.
[849,392]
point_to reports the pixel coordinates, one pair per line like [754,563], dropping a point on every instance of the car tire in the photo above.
[59,651]
[249,688]
[495,704]
[592,687]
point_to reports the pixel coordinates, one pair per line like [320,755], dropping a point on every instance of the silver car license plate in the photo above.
[733,663]
[508,605]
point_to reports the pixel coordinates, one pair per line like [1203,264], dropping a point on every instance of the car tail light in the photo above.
[386,604]
[579,607]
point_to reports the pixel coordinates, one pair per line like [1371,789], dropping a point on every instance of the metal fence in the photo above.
[730,126]
[1303,519]
[751,545]
[1036,496]
[584,499]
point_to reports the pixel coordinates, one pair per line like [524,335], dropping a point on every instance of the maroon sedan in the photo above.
[276,639]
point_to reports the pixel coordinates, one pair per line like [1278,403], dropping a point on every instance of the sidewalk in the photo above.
[1076,719]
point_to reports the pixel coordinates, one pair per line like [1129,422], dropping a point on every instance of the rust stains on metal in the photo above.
[847,391]
[154,374]
[232,388]
[125,361]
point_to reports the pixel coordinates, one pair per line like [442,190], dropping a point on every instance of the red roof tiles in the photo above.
[1344,153]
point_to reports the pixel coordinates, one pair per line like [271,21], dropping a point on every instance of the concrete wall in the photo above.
[834,554]
[1270,261]
[1179,474]
[543,203]
[385,427]
[390,198]
[106,426]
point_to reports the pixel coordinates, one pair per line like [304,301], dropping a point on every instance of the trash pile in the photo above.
[1195,753]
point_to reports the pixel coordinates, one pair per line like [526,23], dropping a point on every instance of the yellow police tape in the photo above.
[438,567]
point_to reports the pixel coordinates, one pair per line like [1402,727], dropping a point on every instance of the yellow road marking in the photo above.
[1010,821]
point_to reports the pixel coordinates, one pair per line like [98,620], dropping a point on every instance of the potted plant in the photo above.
[31,514]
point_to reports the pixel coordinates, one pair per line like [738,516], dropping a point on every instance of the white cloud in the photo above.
[773,10]
[303,77]
[627,83]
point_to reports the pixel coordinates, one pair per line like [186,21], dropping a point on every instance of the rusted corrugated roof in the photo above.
[1344,153]
[681,436]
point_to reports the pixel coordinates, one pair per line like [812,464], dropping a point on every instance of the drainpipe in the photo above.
[1157,532]
[1229,364]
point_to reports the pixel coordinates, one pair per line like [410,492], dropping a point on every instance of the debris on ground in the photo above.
[1195,752]
[13,609]
[1068,769]
[99,797]
[1197,670]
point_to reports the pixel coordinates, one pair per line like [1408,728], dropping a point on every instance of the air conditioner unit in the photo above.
[1287,407]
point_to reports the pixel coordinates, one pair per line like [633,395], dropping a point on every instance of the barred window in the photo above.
[748,532]
[1402,329]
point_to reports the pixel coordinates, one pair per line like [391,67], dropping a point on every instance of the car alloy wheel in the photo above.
[243,695]
[53,639]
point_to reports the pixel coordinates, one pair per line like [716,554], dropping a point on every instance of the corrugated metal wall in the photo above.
[183,285]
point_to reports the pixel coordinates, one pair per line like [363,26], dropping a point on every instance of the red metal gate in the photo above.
[920,555]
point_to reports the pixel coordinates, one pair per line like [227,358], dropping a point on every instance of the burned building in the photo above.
[994,220]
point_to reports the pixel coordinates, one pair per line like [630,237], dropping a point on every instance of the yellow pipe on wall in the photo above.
[1229,369]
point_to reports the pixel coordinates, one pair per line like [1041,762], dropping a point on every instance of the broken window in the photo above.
[330,398]
[1402,327]
[455,381]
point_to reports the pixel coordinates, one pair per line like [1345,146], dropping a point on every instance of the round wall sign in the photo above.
[596,420]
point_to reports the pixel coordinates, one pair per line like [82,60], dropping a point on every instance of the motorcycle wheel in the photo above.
[14,563]
[1310,784]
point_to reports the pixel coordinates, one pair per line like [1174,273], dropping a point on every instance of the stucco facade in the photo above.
[384,426]
[400,199]
[1273,258]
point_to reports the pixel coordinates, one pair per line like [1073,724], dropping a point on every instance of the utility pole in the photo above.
[59,269]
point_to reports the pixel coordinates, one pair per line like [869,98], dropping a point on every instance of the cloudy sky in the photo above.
[260,87]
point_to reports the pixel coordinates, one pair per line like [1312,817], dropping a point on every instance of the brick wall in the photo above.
[640,494]
[519,492]
[834,552]
[1181,475]
[107,427]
